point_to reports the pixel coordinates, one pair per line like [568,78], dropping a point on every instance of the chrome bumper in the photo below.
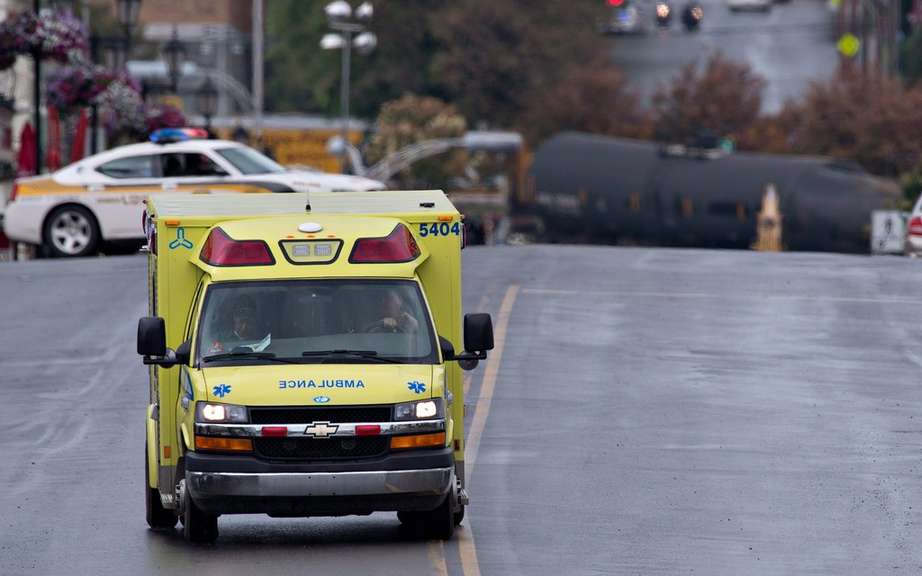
[429,482]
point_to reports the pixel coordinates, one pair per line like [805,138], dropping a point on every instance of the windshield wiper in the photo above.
[249,355]
[365,354]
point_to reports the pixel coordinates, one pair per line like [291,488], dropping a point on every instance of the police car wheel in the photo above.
[158,517]
[70,231]
[198,526]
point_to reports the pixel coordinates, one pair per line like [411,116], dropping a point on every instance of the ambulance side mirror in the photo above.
[151,336]
[478,332]
[152,342]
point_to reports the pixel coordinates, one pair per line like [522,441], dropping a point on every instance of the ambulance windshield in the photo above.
[316,321]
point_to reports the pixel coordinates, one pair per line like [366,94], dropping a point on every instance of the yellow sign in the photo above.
[849,45]
[307,147]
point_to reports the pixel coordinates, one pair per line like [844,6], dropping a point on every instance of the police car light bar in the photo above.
[168,135]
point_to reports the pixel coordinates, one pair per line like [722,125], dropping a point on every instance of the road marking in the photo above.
[715,296]
[467,549]
[437,557]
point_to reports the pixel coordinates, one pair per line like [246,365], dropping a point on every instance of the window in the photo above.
[249,161]
[187,164]
[130,167]
[304,321]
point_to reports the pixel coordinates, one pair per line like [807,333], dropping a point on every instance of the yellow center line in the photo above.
[467,549]
[437,557]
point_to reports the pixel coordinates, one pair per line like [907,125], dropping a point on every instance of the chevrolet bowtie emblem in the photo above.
[321,429]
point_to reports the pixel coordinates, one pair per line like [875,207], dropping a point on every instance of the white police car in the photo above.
[72,211]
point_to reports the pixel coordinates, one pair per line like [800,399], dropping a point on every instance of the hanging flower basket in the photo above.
[56,35]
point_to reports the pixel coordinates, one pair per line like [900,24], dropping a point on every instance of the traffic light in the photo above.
[692,14]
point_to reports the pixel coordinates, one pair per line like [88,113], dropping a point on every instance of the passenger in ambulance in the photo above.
[392,316]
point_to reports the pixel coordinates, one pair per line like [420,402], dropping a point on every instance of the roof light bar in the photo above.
[398,246]
[169,135]
[222,250]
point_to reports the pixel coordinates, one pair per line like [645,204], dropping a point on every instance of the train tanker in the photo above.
[590,188]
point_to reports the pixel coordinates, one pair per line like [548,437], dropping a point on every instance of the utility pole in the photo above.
[37,96]
[258,69]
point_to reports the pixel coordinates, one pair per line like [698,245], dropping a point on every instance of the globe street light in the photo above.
[173,53]
[207,97]
[349,31]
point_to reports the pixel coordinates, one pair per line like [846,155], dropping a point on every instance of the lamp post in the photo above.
[207,103]
[349,31]
[117,51]
[173,53]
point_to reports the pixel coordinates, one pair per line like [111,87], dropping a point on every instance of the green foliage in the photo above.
[911,183]
[487,57]
[412,119]
[300,76]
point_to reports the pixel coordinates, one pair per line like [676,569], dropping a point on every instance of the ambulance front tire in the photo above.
[459,515]
[197,526]
[158,517]
[70,231]
[438,524]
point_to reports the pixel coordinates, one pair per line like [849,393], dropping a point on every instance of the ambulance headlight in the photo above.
[220,413]
[423,410]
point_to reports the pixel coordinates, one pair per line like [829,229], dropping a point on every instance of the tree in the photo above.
[593,99]
[303,78]
[873,121]
[412,119]
[723,98]
[495,54]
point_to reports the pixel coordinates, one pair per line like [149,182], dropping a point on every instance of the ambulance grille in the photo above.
[321,449]
[306,415]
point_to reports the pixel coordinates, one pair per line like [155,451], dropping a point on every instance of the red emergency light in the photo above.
[222,250]
[398,246]
[615,3]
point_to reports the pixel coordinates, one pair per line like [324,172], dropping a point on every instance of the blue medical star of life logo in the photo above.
[417,387]
[221,390]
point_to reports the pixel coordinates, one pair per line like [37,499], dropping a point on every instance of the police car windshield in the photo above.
[316,321]
[249,161]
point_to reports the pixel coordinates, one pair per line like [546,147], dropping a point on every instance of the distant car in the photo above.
[624,19]
[72,211]
[913,244]
[752,5]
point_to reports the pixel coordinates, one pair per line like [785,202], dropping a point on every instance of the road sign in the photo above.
[848,45]
[888,231]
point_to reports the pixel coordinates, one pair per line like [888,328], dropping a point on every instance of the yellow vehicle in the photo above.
[303,358]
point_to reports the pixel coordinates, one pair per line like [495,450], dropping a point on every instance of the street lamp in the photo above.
[349,31]
[127,12]
[114,51]
[207,101]
[173,53]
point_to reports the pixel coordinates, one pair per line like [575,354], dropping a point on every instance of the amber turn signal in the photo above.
[418,441]
[223,444]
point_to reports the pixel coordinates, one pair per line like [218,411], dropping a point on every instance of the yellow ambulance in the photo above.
[305,358]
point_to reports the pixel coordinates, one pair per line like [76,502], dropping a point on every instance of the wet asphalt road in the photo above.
[653,412]
[790,46]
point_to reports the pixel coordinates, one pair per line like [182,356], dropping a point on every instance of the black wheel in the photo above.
[438,524]
[197,526]
[158,517]
[70,231]
[459,515]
